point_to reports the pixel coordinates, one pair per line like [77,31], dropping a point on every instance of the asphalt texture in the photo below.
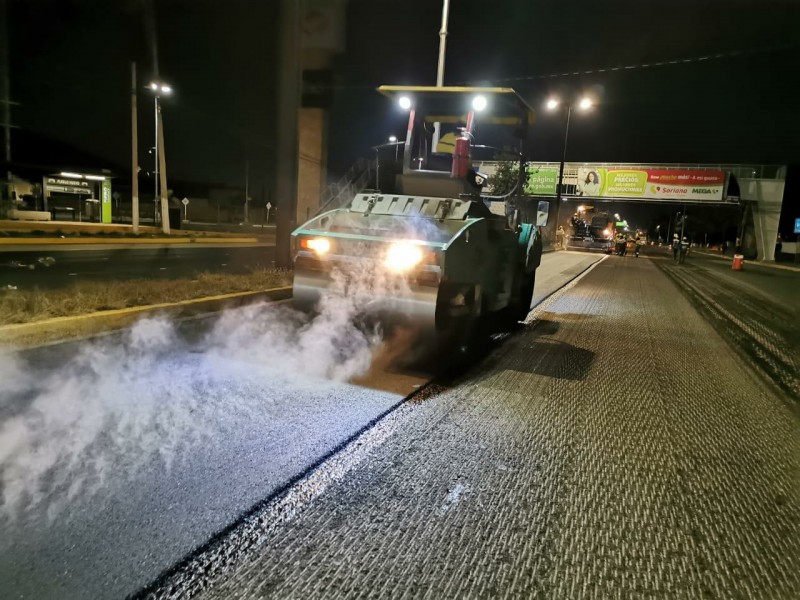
[757,310]
[121,455]
[51,268]
[617,447]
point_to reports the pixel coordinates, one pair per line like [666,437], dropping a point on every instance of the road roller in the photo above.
[434,246]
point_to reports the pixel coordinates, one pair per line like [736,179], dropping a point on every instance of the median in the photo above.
[30,317]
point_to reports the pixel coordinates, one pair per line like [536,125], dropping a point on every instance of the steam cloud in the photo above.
[121,401]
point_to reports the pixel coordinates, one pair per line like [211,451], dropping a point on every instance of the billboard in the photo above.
[542,180]
[661,184]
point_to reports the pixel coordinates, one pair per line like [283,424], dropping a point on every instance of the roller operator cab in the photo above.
[432,248]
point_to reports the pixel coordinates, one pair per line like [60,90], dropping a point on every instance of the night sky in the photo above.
[70,73]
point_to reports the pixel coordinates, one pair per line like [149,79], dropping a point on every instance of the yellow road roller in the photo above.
[435,246]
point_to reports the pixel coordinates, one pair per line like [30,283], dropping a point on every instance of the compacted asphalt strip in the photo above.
[616,447]
[122,454]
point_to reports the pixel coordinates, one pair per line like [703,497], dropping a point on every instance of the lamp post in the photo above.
[553,104]
[158,88]
[440,65]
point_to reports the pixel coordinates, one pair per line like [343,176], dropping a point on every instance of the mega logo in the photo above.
[702,191]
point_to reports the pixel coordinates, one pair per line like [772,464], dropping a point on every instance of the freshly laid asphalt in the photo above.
[617,447]
[54,267]
[124,454]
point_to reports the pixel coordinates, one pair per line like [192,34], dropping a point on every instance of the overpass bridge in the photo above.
[757,189]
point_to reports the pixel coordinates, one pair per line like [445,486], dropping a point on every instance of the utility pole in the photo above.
[155,150]
[134,154]
[289,84]
[246,191]
[440,67]
[5,98]
[163,163]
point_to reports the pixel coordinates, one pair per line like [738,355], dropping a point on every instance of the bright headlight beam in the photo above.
[403,256]
[479,103]
[319,245]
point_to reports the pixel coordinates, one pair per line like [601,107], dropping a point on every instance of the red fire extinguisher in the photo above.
[461,160]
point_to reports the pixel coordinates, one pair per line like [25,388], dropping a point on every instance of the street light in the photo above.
[584,104]
[158,88]
[392,139]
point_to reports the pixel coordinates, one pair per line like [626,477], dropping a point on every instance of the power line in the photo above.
[647,65]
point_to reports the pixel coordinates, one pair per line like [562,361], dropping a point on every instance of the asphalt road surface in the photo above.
[49,268]
[757,310]
[617,447]
[122,455]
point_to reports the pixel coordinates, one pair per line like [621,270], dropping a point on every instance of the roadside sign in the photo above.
[185,201]
[797,226]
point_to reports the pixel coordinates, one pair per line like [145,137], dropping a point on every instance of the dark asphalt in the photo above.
[756,310]
[617,447]
[30,270]
[121,456]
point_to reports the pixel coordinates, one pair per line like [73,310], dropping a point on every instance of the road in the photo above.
[50,268]
[757,310]
[122,455]
[618,446]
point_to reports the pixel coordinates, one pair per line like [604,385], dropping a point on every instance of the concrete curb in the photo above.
[63,328]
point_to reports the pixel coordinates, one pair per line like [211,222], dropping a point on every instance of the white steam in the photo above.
[121,401]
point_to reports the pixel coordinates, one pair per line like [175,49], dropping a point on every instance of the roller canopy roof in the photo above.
[451,104]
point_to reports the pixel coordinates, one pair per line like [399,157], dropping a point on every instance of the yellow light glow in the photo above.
[606,232]
[403,256]
[319,245]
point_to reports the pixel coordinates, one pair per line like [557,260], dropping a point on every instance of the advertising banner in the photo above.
[662,184]
[106,201]
[542,181]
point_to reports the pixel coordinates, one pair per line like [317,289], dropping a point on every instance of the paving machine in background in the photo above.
[448,254]
[591,230]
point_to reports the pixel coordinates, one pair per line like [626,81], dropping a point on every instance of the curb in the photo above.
[60,329]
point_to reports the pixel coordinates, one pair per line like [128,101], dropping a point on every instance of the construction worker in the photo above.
[684,249]
[676,247]
[560,233]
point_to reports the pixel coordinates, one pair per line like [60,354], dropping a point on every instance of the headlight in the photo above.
[403,256]
[318,245]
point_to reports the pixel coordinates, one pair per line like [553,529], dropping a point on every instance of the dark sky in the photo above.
[70,72]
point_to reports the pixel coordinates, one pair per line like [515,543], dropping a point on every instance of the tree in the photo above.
[506,176]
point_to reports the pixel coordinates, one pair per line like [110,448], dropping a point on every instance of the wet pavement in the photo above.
[617,447]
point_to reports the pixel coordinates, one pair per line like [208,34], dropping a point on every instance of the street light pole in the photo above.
[561,168]
[155,179]
[552,104]
[160,183]
[440,66]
